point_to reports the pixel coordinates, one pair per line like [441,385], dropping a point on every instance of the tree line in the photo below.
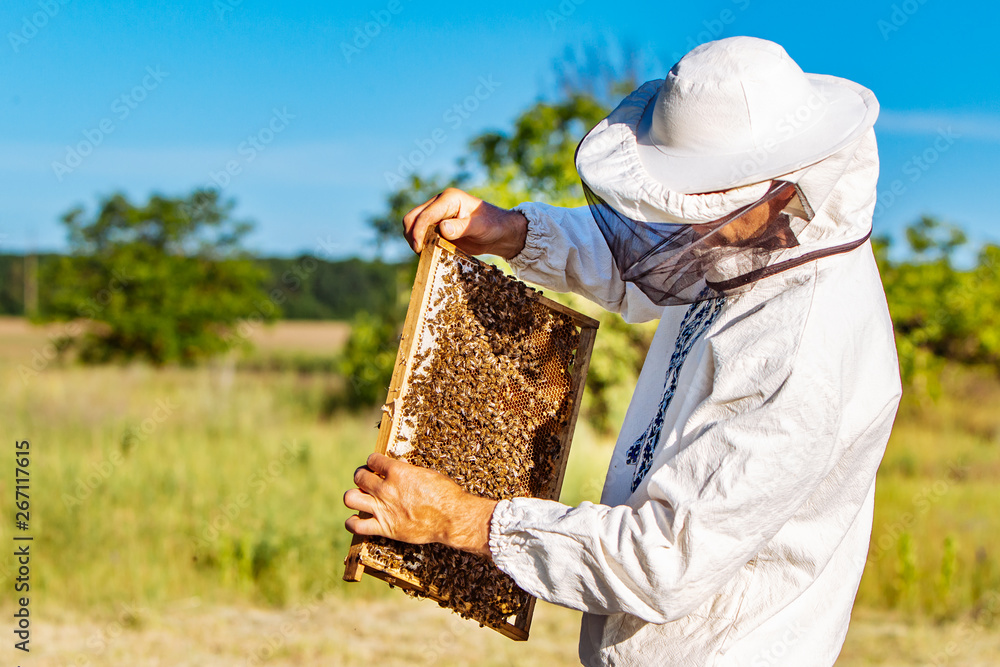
[333,290]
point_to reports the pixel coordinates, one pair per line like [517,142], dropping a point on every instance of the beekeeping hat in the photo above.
[735,125]
[730,113]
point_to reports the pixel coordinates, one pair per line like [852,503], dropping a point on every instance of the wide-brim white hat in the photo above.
[730,113]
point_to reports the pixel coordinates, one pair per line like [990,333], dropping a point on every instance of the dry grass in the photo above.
[323,338]
[398,632]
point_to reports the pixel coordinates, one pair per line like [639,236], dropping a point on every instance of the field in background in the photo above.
[301,337]
[194,516]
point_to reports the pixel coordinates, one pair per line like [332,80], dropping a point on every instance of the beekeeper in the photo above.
[733,202]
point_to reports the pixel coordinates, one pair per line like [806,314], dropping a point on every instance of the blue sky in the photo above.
[169,94]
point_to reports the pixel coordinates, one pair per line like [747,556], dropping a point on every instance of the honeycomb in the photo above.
[487,400]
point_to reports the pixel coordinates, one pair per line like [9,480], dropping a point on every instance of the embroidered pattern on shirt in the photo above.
[699,317]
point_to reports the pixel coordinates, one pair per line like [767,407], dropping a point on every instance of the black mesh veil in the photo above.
[683,263]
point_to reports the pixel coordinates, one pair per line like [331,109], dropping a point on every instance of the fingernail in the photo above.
[447,229]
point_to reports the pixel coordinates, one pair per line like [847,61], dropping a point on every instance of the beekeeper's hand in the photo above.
[418,506]
[475,226]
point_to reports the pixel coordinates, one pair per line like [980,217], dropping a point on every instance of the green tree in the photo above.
[165,281]
[368,359]
[534,161]
[941,312]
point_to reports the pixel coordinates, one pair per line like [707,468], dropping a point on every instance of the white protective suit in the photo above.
[744,542]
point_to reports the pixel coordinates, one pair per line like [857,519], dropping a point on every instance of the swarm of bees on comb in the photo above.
[488,397]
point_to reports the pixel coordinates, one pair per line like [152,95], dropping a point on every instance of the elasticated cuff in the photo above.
[538,239]
[501,541]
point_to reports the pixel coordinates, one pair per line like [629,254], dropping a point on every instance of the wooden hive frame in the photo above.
[436,250]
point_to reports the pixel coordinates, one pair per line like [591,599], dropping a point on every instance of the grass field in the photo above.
[193,516]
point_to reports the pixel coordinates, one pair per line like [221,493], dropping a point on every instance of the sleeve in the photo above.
[750,455]
[566,252]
